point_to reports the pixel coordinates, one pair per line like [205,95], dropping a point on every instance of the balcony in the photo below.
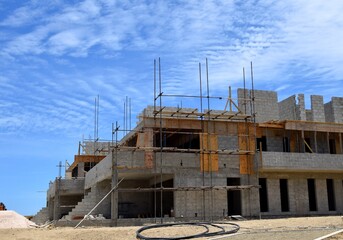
[300,162]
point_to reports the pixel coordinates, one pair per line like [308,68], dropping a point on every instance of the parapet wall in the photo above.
[265,104]
[293,108]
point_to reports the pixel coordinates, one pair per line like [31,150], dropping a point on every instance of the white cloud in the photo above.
[68,45]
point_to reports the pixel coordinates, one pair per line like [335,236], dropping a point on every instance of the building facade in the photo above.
[260,158]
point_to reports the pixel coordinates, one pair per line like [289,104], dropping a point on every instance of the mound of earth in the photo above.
[11,219]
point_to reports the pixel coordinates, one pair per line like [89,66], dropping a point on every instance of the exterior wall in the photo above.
[276,161]
[102,188]
[184,167]
[334,110]
[266,104]
[250,198]
[103,170]
[273,196]
[274,140]
[300,108]
[298,193]
[322,196]
[317,108]
[190,204]
[329,117]
[298,196]
[338,186]
[337,106]
[309,115]
[287,108]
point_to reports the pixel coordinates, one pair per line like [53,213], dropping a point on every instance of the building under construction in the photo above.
[258,157]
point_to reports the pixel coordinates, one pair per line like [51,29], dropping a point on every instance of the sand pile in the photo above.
[11,219]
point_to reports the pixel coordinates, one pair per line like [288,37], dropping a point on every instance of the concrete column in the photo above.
[274,201]
[81,169]
[328,141]
[114,194]
[315,142]
[321,195]
[338,190]
[340,143]
[56,214]
[298,196]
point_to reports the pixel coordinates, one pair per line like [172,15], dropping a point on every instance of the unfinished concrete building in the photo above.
[259,158]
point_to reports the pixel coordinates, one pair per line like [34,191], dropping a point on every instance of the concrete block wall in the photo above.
[322,196]
[300,108]
[287,108]
[298,193]
[337,106]
[309,115]
[250,197]
[273,193]
[91,199]
[190,203]
[293,108]
[266,104]
[338,183]
[285,161]
[329,117]
[298,196]
[41,217]
[322,145]
[134,204]
[83,207]
[228,142]
[317,108]
[274,142]
[103,170]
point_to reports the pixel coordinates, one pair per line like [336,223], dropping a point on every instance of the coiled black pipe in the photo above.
[205,233]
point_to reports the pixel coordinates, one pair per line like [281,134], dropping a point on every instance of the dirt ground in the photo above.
[319,225]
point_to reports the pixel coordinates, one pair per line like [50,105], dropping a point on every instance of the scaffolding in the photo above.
[160,116]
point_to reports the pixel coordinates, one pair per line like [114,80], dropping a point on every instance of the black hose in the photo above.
[205,233]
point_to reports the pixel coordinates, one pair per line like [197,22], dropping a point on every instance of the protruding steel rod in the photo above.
[161,140]
[209,139]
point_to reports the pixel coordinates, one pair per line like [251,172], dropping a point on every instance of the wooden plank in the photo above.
[209,154]
[314,126]
[85,158]
[246,142]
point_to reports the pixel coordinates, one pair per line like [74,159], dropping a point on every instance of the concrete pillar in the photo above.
[317,108]
[114,194]
[340,143]
[81,169]
[274,201]
[322,196]
[328,141]
[298,196]
[315,142]
[338,190]
[56,201]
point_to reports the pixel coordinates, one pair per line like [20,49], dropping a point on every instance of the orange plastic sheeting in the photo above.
[209,155]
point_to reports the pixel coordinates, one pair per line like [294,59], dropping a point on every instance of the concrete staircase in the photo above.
[83,207]
[41,217]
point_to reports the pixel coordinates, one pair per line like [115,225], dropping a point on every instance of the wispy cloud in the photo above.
[59,56]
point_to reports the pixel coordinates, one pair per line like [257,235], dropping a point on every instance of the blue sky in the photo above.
[57,56]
